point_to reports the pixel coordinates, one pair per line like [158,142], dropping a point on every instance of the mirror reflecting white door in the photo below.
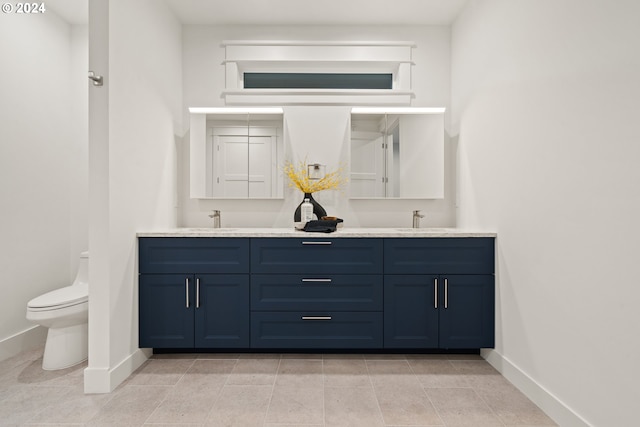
[397,153]
[239,156]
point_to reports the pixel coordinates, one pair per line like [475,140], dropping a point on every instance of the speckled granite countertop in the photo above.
[290,232]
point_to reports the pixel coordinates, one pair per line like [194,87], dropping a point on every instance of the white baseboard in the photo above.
[550,404]
[105,380]
[35,336]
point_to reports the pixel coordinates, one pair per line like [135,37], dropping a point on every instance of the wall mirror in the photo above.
[397,153]
[236,153]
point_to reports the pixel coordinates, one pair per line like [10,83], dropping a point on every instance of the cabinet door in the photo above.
[410,311]
[166,304]
[467,311]
[222,311]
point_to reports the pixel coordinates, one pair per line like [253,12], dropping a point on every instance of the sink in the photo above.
[208,230]
[422,230]
[382,230]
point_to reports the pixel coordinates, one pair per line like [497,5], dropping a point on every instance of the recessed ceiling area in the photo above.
[317,12]
[292,12]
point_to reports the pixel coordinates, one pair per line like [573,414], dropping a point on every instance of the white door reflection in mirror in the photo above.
[241,155]
[230,167]
[367,163]
[397,153]
[240,161]
[261,173]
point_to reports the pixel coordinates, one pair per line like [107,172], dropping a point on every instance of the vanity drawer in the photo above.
[321,330]
[473,255]
[316,256]
[351,292]
[193,255]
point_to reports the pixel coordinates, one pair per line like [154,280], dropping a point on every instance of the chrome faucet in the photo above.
[416,219]
[216,218]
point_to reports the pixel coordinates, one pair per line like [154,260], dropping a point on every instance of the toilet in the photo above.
[65,312]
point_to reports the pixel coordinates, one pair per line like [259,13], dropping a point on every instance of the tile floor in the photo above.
[272,390]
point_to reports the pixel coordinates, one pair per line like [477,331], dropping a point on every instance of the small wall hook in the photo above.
[97,80]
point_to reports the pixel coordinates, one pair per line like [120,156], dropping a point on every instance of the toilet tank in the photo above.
[83,269]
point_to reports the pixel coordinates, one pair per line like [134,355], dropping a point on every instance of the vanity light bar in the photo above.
[398,110]
[239,110]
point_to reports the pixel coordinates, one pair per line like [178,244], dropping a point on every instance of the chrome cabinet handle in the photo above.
[446,293]
[186,286]
[317,280]
[316,243]
[435,292]
[316,317]
[198,292]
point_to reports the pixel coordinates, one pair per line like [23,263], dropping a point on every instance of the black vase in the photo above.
[317,209]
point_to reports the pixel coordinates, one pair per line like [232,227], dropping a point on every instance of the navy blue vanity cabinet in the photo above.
[439,255]
[467,311]
[411,318]
[321,330]
[182,255]
[222,313]
[165,321]
[316,293]
[439,293]
[316,256]
[194,292]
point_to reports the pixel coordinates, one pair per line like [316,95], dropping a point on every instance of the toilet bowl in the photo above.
[65,312]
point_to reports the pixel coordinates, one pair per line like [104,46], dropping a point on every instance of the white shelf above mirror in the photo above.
[346,57]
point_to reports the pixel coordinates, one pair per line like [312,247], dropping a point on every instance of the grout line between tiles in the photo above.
[213,404]
[375,395]
[488,406]
[426,394]
[273,386]
[324,394]
[168,392]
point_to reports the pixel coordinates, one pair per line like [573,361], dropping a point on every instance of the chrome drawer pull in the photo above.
[446,293]
[186,286]
[198,292]
[316,243]
[435,293]
[316,317]
[316,280]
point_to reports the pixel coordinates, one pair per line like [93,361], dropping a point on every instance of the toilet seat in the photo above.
[60,298]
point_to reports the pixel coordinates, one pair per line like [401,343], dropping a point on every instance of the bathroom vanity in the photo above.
[273,289]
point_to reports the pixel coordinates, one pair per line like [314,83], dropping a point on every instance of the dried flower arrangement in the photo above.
[299,178]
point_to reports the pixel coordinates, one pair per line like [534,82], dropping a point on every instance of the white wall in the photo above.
[545,100]
[43,165]
[133,185]
[203,82]
[79,155]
